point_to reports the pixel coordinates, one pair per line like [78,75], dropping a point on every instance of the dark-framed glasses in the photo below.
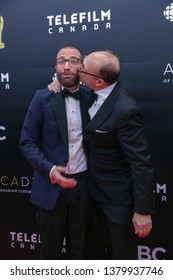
[91,74]
[72,61]
[82,70]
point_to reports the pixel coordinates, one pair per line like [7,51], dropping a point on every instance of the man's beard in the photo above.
[68,81]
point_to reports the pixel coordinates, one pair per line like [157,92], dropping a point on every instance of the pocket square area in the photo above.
[101,131]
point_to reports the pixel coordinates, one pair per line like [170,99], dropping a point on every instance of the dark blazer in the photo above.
[44,140]
[119,157]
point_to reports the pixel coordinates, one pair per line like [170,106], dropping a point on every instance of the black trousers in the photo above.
[69,219]
[118,222]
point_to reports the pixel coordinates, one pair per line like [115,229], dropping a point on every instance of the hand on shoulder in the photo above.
[55,86]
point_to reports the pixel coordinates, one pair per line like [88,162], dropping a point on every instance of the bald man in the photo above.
[121,180]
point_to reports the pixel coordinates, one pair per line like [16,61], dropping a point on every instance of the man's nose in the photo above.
[67,64]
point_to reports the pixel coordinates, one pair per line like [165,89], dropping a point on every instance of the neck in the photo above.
[73,88]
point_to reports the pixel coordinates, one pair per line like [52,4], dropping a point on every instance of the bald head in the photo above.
[105,63]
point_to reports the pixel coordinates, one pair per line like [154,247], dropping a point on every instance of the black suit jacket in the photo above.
[119,157]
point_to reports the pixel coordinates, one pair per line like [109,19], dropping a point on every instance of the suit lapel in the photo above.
[105,110]
[84,107]
[58,104]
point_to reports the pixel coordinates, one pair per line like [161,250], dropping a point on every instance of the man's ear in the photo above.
[99,83]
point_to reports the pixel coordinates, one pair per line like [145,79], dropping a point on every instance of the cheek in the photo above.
[58,69]
[78,67]
[87,81]
[82,78]
[80,75]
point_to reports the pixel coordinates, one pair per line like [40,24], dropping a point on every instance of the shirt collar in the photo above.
[103,93]
[70,90]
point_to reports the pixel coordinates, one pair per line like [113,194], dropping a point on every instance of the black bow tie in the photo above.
[67,93]
[95,96]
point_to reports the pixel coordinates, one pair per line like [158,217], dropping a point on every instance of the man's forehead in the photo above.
[89,61]
[68,51]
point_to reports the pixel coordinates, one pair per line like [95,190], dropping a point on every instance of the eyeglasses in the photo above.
[91,74]
[72,61]
[88,73]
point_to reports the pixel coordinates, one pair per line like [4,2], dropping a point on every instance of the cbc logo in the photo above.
[168,12]
[2,136]
[145,253]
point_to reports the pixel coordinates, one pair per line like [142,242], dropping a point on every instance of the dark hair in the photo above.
[74,47]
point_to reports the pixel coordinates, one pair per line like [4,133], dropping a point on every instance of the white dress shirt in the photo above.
[101,97]
[77,158]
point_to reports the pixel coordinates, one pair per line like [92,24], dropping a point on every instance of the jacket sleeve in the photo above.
[30,137]
[133,141]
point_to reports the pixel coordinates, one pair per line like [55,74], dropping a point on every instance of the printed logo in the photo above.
[81,21]
[2,134]
[168,74]
[161,190]
[14,184]
[2,45]
[168,12]
[4,81]
[24,240]
[146,253]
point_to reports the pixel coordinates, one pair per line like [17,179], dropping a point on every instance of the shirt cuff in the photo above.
[50,175]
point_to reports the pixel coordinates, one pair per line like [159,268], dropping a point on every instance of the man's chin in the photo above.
[66,82]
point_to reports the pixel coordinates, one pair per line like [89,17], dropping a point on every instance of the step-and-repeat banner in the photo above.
[31,32]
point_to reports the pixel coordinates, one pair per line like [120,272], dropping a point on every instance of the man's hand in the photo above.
[55,86]
[142,224]
[57,177]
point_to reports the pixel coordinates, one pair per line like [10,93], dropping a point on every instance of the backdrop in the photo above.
[31,32]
